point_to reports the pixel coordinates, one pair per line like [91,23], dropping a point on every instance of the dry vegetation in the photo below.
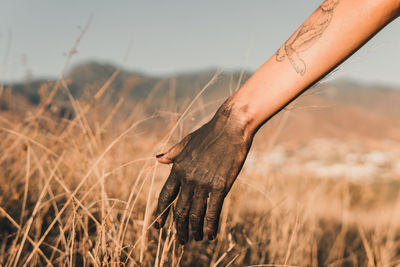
[79,190]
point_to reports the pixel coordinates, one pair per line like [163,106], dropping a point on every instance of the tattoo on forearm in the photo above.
[307,35]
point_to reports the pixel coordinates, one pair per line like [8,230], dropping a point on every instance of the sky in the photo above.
[169,37]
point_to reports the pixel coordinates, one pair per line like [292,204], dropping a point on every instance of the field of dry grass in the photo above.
[81,191]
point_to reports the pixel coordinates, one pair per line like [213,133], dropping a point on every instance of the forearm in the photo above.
[207,161]
[329,36]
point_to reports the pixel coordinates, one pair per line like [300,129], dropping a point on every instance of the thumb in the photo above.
[169,156]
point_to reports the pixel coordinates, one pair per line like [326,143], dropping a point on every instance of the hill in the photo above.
[340,109]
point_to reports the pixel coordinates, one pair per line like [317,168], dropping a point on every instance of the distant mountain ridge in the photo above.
[188,84]
[330,109]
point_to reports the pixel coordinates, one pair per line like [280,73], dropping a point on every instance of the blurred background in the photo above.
[169,38]
[90,91]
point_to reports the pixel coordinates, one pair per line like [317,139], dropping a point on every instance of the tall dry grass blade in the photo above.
[368,250]
[239,80]
[73,51]
[181,252]
[167,244]
[127,164]
[95,263]
[27,138]
[271,265]
[55,249]
[145,232]
[156,88]
[278,130]
[81,118]
[79,202]
[27,176]
[87,211]
[222,232]
[80,185]
[111,115]
[233,260]
[103,241]
[42,172]
[213,79]
[35,210]
[96,97]
[125,227]
[2,211]
[26,188]
[71,252]
[288,252]
[156,263]
[147,213]
[15,143]
[124,223]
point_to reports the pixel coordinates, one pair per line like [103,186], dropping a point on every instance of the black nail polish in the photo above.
[160,155]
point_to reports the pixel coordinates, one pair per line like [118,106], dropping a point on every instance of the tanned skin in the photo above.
[207,161]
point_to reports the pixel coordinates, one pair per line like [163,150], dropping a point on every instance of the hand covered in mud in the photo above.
[205,165]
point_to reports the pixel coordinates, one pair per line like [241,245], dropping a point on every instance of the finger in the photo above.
[182,213]
[213,214]
[173,152]
[168,194]
[197,213]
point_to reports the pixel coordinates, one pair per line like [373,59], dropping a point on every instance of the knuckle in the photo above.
[162,199]
[162,196]
[195,217]
[210,219]
[169,187]
[190,179]
[180,214]
[219,185]
[201,193]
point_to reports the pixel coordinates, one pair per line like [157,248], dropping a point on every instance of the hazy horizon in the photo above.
[210,69]
[170,38]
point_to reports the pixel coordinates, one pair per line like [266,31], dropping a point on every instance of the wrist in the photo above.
[237,115]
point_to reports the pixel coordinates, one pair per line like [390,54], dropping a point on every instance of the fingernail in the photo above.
[160,155]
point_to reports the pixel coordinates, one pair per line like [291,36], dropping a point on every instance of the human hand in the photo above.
[205,164]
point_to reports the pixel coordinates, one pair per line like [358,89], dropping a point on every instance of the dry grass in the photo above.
[81,191]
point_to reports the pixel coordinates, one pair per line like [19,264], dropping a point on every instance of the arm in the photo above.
[207,161]
[330,35]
